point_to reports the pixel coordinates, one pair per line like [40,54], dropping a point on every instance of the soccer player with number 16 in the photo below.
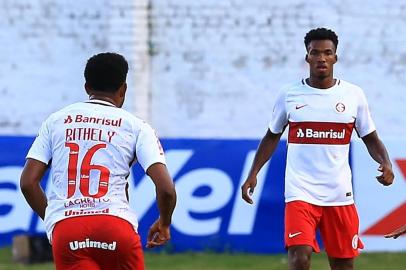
[90,147]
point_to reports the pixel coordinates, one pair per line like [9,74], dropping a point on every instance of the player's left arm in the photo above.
[379,153]
[30,186]
[159,232]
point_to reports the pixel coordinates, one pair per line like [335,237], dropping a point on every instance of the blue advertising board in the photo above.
[210,214]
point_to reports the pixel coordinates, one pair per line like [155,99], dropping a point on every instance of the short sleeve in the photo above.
[41,147]
[148,148]
[363,123]
[279,114]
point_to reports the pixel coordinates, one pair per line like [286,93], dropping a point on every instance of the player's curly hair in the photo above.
[321,34]
[106,72]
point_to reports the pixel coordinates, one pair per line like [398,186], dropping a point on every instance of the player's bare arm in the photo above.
[265,150]
[30,180]
[396,233]
[378,152]
[159,232]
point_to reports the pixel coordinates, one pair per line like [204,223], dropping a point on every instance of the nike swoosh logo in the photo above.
[291,235]
[300,106]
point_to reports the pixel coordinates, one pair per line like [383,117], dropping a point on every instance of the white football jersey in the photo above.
[91,146]
[320,123]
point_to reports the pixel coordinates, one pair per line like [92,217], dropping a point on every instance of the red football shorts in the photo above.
[96,242]
[338,225]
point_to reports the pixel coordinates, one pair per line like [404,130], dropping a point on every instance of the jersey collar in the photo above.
[337,82]
[100,102]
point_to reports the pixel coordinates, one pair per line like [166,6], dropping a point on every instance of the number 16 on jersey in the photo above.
[84,171]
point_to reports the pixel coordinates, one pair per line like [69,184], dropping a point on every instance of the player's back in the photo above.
[99,135]
[92,145]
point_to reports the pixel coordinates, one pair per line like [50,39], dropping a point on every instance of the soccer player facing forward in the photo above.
[90,147]
[321,112]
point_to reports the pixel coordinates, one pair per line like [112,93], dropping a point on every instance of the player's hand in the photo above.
[247,189]
[396,233]
[158,234]
[387,176]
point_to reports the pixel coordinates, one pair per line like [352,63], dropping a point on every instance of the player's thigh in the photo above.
[65,247]
[124,246]
[301,221]
[108,241]
[339,228]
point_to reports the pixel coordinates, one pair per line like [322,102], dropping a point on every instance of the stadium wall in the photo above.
[199,69]
[45,45]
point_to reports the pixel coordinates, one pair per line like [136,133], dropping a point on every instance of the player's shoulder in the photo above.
[291,89]
[351,90]
[349,86]
[55,116]
[68,108]
[130,117]
[293,86]
[137,122]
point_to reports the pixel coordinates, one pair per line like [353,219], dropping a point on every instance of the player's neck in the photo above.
[321,83]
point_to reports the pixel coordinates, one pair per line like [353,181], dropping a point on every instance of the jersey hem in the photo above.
[319,203]
[52,226]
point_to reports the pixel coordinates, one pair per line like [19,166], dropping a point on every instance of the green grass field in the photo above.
[212,261]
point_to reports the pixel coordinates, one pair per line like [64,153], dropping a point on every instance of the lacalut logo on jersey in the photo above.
[95,120]
[320,132]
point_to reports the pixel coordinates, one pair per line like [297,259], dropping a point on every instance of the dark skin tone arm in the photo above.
[30,180]
[159,232]
[270,141]
[265,150]
[378,152]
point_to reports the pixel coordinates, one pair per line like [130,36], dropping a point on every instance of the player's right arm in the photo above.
[267,145]
[37,161]
[30,180]
[265,150]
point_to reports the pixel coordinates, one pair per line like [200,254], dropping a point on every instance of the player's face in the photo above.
[321,56]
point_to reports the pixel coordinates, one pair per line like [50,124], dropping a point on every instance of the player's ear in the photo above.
[336,57]
[307,58]
[87,88]
[123,89]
